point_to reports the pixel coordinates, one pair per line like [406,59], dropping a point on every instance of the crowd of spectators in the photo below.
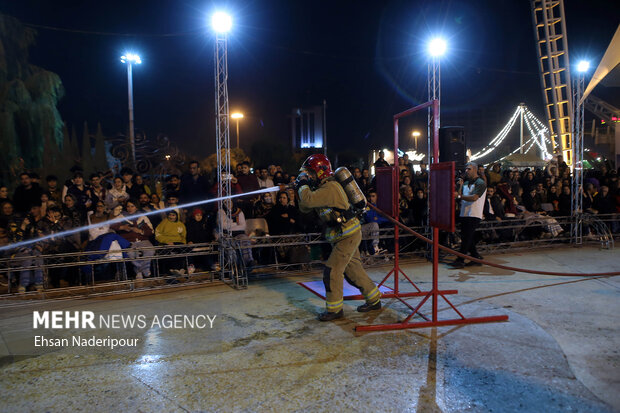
[38,209]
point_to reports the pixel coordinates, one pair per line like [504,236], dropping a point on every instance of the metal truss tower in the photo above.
[552,50]
[222,144]
[577,176]
[434,92]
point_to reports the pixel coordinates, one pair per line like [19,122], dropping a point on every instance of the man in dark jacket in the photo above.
[26,195]
[194,186]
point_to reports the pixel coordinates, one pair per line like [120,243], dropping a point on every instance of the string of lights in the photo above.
[538,131]
[498,139]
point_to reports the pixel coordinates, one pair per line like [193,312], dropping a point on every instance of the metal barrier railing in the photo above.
[271,253]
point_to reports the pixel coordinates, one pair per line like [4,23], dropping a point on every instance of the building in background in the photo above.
[307,127]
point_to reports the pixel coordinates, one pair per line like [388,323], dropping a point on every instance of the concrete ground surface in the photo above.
[266,351]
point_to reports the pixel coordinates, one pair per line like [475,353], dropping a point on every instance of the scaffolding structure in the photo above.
[577,177]
[222,129]
[552,51]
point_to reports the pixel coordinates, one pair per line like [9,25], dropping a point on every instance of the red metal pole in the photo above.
[395,205]
[435,229]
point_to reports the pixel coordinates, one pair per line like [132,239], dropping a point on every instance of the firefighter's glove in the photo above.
[302,179]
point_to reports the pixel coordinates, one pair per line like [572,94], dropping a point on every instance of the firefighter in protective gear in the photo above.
[318,190]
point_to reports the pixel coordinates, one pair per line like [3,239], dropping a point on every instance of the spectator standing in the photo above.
[26,194]
[128,181]
[81,192]
[194,186]
[472,194]
[381,162]
[248,183]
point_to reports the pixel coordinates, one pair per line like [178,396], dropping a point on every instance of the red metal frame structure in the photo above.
[435,293]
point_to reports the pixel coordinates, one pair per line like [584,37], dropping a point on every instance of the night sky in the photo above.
[366,58]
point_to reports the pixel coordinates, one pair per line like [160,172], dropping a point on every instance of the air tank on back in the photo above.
[353,191]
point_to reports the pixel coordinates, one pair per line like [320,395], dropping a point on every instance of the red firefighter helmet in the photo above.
[319,164]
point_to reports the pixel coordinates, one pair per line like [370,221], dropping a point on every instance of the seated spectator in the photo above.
[283,216]
[52,188]
[265,181]
[199,231]
[54,223]
[236,226]
[419,208]
[278,178]
[603,202]
[102,238]
[46,202]
[374,221]
[531,201]
[141,186]
[494,174]
[7,214]
[173,185]
[172,201]
[4,194]
[172,232]
[263,206]
[116,197]
[136,230]
[97,190]
[588,198]
[71,211]
[553,198]
[541,193]
[156,202]
[405,201]
[564,202]
[98,216]
[28,255]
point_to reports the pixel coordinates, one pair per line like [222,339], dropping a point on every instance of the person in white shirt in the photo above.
[472,194]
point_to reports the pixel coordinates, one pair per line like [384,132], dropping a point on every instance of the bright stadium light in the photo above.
[583,66]
[221,22]
[437,47]
[131,58]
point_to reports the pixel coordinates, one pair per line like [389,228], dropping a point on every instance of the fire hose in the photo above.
[480,261]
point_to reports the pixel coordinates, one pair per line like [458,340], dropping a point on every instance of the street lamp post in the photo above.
[416,134]
[130,59]
[236,116]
